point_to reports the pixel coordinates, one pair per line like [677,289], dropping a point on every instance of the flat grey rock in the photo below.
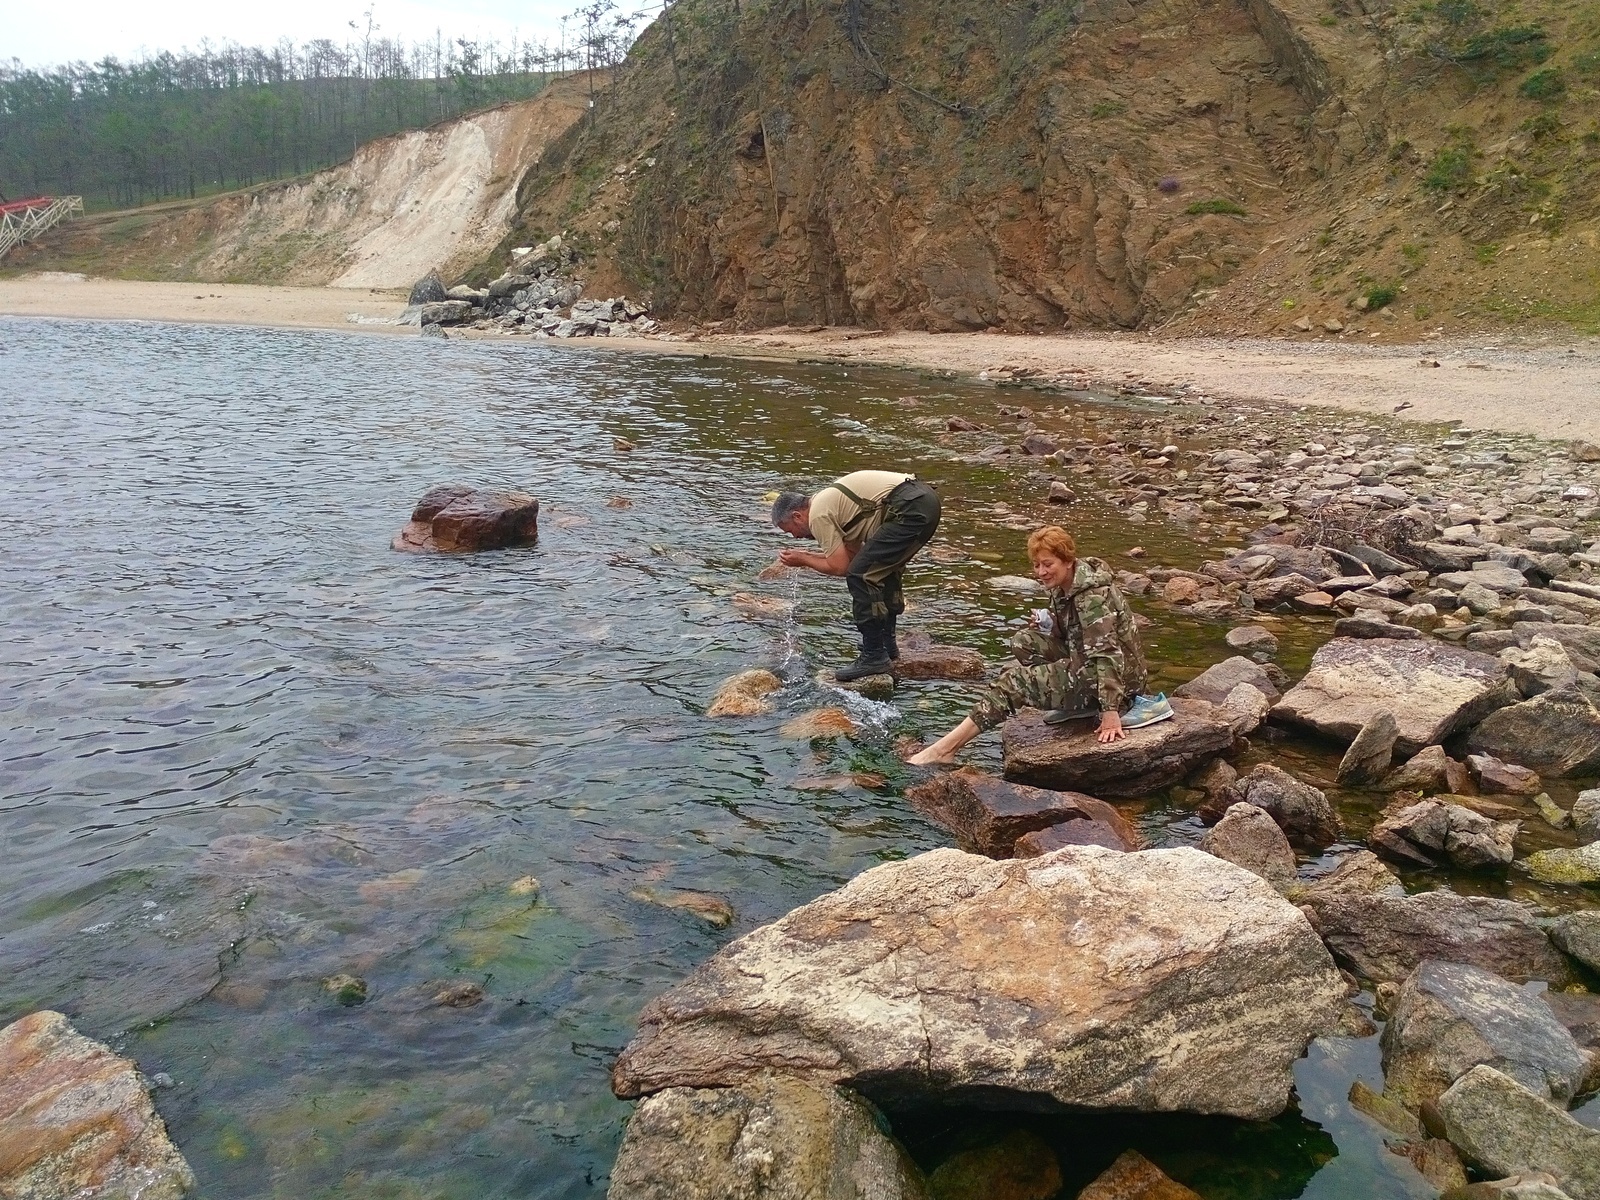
[1504,1129]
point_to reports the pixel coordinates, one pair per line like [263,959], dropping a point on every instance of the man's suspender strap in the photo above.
[866,509]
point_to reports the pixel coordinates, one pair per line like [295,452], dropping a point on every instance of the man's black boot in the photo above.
[874,656]
[891,647]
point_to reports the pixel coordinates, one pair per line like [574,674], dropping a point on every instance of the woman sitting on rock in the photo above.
[1078,657]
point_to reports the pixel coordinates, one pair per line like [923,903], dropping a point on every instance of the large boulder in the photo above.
[1165,980]
[1248,837]
[1145,761]
[775,1138]
[76,1120]
[428,290]
[446,312]
[454,517]
[1586,813]
[923,658]
[989,815]
[1302,811]
[1216,681]
[1384,937]
[1556,733]
[1504,1129]
[1450,1017]
[1579,935]
[1433,689]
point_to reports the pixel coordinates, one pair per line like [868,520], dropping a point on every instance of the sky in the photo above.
[45,35]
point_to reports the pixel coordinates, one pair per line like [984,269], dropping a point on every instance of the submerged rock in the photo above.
[1504,1129]
[1165,980]
[1134,1177]
[1145,761]
[1385,937]
[1019,1166]
[1451,1017]
[990,814]
[772,1138]
[744,694]
[1433,689]
[820,723]
[76,1121]
[457,518]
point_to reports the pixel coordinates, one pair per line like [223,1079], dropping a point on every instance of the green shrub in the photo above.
[1587,64]
[1108,108]
[1450,170]
[1544,85]
[1542,124]
[1414,253]
[1219,205]
[1509,46]
[1485,253]
[1380,295]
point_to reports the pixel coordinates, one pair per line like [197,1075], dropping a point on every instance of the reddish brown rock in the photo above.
[458,518]
[989,815]
[1498,778]
[1135,1177]
[1145,761]
[1076,832]
[75,1120]
[922,658]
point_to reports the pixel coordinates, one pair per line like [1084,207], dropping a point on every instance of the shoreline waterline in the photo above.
[1512,383]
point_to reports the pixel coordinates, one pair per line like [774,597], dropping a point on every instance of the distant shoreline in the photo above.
[1544,387]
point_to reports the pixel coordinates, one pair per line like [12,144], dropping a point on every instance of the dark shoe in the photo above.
[1065,716]
[873,662]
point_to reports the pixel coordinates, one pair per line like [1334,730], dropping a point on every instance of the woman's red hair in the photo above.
[1054,541]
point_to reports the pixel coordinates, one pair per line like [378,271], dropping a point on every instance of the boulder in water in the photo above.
[1429,770]
[1134,1177]
[76,1120]
[1384,937]
[1248,837]
[1164,980]
[1556,733]
[1071,759]
[990,814]
[1367,760]
[923,658]
[1433,689]
[1301,811]
[745,694]
[1219,679]
[446,312]
[1504,1129]
[773,1137]
[453,517]
[1431,830]
[1450,1017]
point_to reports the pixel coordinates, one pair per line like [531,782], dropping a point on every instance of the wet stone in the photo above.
[922,658]
[1428,771]
[989,815]
[1505,1129]
[1498,778]
[744,694]
[1134,1177]
[1248,837]
[1303,812]
[1147,760]
[1019,1166]
[1215,683]
[1580,866]
[75,1120]
[453,517]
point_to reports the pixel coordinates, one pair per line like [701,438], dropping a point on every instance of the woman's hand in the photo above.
[1110,728]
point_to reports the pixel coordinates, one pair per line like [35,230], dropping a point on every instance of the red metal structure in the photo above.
[23,220]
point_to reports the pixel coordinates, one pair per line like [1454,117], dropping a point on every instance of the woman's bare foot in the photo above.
[944,750]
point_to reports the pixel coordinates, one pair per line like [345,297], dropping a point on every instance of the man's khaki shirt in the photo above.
[837,520]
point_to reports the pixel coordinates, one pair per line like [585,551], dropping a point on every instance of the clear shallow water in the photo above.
[244,746]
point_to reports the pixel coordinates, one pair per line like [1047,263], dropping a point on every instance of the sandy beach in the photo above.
[1545,386]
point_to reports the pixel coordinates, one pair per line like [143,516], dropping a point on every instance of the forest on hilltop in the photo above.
[178,125]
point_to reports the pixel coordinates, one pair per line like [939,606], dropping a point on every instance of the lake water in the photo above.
[245,747]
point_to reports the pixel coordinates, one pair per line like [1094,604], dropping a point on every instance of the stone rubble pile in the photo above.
[540,295]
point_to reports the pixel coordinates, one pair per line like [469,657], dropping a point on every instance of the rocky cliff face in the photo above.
[1194,164]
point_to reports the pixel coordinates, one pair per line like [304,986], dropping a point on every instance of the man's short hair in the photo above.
[786,505]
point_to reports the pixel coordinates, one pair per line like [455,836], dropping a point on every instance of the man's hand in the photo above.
[790,557]
[1110,728]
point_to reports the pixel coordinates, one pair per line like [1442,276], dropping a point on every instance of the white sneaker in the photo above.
[1147,710]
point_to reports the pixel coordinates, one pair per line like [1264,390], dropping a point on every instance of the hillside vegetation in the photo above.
[1191,165]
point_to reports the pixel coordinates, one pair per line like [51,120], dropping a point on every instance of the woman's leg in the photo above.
[944,750]
[1042,685]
